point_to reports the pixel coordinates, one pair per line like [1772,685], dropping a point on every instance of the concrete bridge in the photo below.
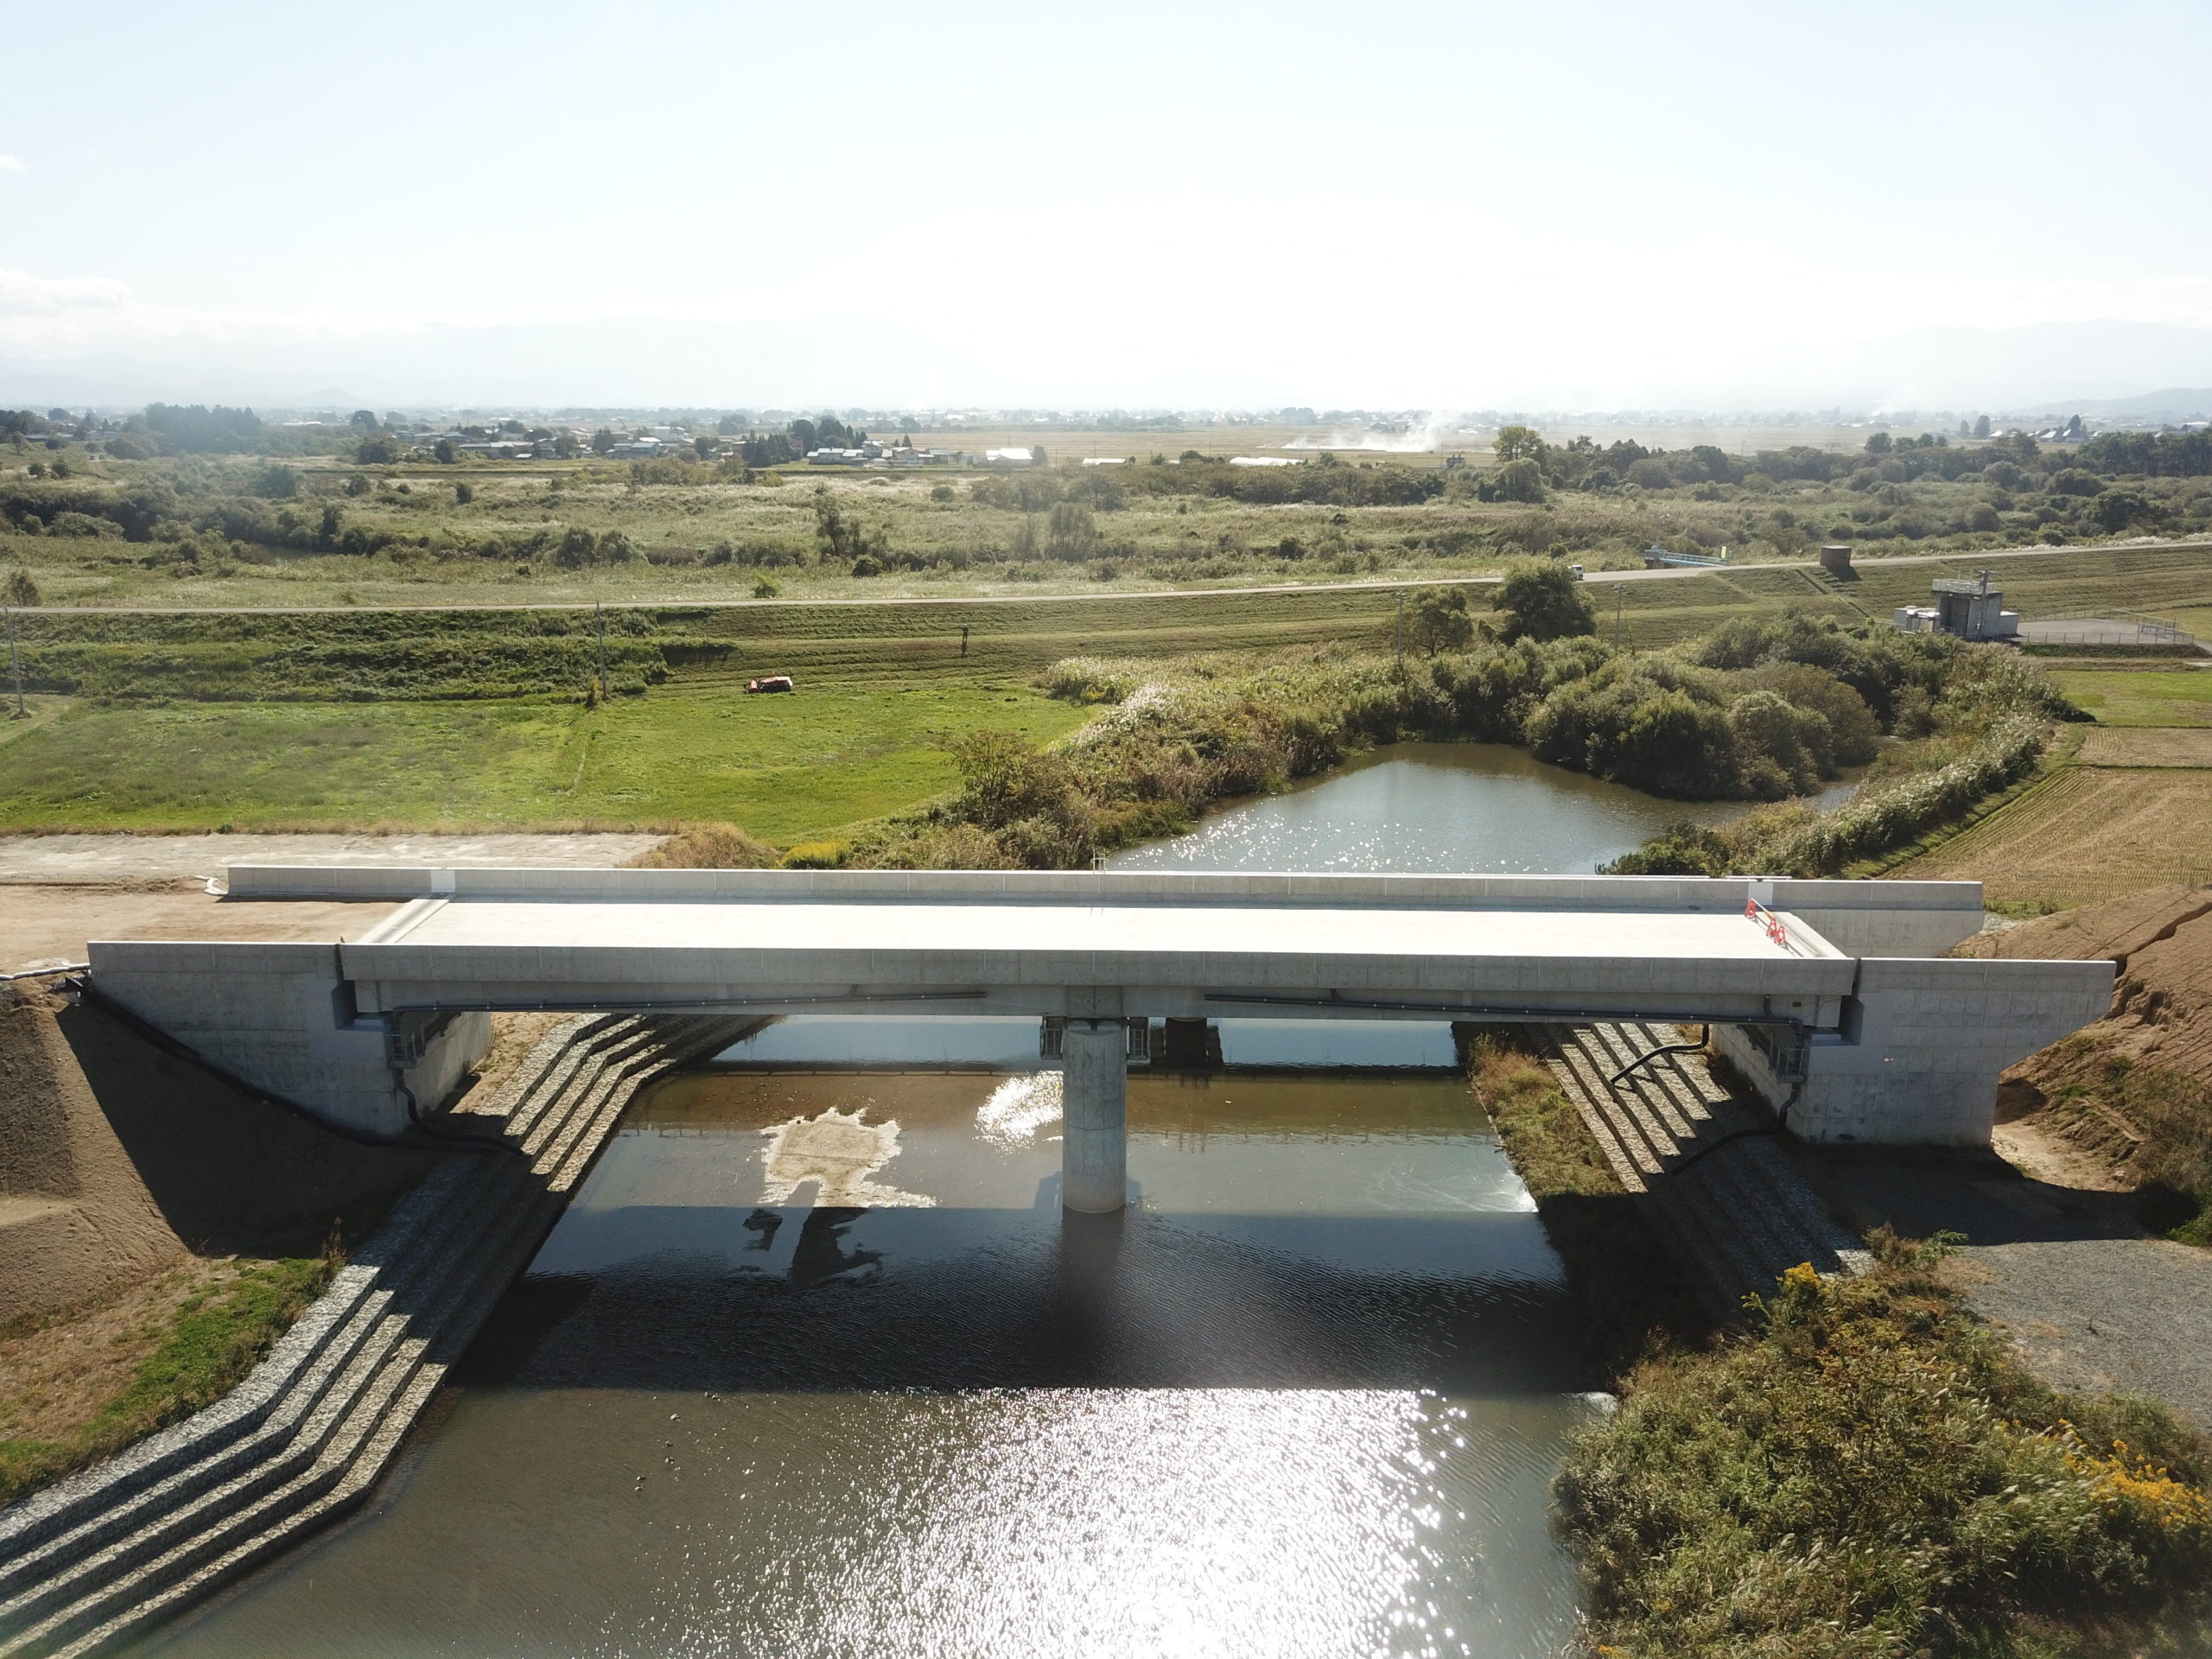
[1829,996]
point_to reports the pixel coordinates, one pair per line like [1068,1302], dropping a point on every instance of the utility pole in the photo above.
[15,663]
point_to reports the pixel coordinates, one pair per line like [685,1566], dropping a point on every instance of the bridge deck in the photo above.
[1147,930]
[451,953]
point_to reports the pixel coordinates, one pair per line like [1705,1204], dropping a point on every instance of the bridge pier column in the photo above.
[1094,1115]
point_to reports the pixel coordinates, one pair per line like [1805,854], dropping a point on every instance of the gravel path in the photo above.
[2130,1314]
[112,858]
[2090,1302]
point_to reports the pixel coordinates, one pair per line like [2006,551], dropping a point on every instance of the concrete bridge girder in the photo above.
[1849,1024]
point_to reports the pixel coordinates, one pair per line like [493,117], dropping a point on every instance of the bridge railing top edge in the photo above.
[1321,888]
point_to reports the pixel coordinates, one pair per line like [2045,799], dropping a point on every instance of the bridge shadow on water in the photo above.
[845,1300]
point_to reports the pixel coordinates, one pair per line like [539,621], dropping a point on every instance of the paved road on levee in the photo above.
[685,602]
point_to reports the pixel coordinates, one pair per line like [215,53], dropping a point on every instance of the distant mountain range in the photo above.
[2049,369]
[2176,404]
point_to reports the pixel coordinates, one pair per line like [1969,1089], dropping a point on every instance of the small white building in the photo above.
[1965,608]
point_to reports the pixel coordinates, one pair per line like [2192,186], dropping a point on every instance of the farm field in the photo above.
[457,718]
[2087,834]
[2139,697]
[328,528]
[784,768]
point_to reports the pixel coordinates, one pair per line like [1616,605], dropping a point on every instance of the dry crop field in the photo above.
[2088,833]
[2132,810]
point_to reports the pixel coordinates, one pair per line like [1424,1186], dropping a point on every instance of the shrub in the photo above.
[710,847]
[1866,1473]
[1683,848]
[1879,668]
[1439,620]
[1776,744]
[1851,731]
[2116,510]
[1642,723]
[1539,599]
[84,524]
[1085,679]
[818,855]
[1517,480]
[19,589]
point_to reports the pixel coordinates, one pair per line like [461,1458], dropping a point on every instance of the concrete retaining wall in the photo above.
[281,1018]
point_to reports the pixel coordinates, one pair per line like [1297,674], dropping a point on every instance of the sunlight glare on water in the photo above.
[814,1365]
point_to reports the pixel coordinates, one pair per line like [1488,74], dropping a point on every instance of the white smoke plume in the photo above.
[1418,438]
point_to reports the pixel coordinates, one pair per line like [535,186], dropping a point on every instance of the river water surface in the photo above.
[1471,808]
[813,1364]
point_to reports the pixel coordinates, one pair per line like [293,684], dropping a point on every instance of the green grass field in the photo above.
[877,680]
[2140,696]
[785,768]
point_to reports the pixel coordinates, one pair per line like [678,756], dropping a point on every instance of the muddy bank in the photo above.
[2161,1013]
[118,1162]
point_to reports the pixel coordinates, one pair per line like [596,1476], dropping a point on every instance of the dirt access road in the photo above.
[58,891]
[1664,574]
[158,858]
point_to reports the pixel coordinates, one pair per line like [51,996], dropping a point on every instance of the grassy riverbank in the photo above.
[910,745]
[139,1361]
[1632,1289]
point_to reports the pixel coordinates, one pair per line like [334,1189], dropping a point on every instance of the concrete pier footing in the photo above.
[1094,1115]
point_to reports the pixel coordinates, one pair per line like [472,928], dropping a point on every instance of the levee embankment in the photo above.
[107,1552]
[119,1161]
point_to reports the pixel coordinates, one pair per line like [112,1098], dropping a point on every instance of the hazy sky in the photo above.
[1442,205]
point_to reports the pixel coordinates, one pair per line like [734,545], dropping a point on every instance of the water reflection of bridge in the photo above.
[1830,996]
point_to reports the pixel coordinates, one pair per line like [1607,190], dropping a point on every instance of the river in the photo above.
[1476,808]
[812,1365]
